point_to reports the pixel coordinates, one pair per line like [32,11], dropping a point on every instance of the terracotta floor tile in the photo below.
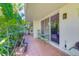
[37,47]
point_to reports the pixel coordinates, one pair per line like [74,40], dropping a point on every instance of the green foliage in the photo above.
[11,29]
[7,10]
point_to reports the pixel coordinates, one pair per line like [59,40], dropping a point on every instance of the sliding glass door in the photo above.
[45,28]
[55,28]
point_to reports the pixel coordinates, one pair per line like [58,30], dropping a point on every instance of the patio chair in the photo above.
[76,46]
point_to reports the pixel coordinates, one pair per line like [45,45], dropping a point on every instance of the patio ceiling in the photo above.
[35,11]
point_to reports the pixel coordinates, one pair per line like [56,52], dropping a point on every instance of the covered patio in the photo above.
[37,47]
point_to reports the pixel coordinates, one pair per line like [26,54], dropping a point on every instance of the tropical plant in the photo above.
[11,28]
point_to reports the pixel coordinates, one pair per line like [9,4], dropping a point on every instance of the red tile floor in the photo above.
[37,47]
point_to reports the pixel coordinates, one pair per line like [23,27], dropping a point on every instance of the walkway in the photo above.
[37,47]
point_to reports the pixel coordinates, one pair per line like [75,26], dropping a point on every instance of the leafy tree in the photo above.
[11,28]
[7,10]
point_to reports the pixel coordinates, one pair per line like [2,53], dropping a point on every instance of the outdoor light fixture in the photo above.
[65,16]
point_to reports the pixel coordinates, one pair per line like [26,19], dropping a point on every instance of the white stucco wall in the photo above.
[69,28]
[36,27]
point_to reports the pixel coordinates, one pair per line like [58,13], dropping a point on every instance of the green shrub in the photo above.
[12,28]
